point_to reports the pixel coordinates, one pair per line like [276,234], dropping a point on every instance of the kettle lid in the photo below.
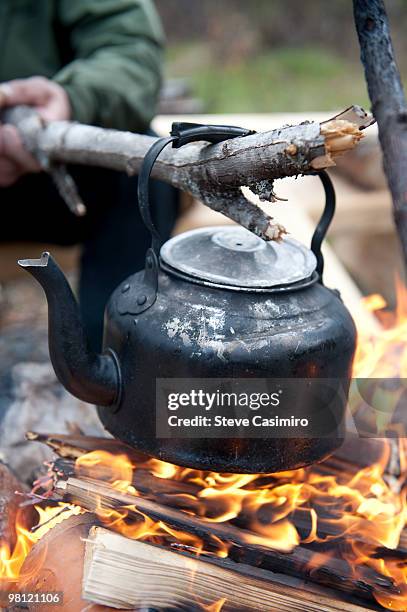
[235,258]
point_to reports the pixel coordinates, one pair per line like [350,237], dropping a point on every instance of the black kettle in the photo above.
[212,303]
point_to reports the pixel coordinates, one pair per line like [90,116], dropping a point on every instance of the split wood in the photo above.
[131,574]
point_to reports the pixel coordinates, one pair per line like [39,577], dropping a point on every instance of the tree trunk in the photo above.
[388,102]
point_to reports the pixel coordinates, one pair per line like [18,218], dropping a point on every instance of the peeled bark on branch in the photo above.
[211,173]
[388,102]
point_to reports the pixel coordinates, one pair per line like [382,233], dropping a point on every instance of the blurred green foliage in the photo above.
[271,55]
[285,79]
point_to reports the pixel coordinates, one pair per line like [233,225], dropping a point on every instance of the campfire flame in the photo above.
[12,561]
[216,606]
[361,516]
[365,511]
[384,354]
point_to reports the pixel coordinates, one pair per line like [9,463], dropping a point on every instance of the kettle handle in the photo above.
[143,191]
[181,134]
[324,222]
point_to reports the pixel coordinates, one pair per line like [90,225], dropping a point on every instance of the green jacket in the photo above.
[107,54]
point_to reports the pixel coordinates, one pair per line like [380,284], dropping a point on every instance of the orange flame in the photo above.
[115,469]
[383,354]
[216,606]
[12,561]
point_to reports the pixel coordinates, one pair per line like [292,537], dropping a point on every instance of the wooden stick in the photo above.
[213,174]
[355,453]
[74,446]
[388,102]
[133,574]
[244,546]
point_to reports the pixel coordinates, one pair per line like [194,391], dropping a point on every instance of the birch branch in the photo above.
[211,173]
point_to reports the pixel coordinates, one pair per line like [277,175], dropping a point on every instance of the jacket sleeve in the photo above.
[115,76]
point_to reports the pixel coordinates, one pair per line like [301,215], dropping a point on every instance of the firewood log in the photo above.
[128,573]
[184,496]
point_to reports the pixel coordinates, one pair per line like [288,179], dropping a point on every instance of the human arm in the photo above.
[115,77]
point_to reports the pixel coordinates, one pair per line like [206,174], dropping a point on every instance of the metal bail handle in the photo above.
[181,134]
[143,190]
[324,222]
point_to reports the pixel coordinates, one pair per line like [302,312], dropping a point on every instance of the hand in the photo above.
[51,102]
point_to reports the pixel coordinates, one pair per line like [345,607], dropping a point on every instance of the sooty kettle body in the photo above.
[211,303]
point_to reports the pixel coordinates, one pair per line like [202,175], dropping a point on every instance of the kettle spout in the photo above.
[90,377]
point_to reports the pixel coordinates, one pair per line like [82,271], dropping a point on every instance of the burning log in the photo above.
[183,495]
[132,574]
[243,546]
[213,174]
